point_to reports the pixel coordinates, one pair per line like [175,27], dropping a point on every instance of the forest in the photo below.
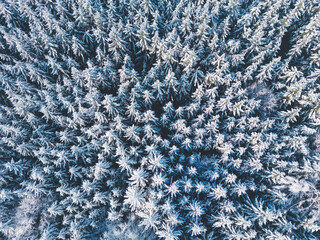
[159,119]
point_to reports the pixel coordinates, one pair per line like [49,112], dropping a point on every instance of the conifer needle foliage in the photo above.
[160,119]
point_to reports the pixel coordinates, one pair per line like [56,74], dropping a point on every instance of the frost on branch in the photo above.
[159,119]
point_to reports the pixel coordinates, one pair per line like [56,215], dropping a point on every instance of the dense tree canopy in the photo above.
[146,119]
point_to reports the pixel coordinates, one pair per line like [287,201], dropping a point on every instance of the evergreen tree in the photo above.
[159,119]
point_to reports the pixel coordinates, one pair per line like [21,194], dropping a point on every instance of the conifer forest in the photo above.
[160,119]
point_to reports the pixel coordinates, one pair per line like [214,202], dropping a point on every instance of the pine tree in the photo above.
[179,119]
